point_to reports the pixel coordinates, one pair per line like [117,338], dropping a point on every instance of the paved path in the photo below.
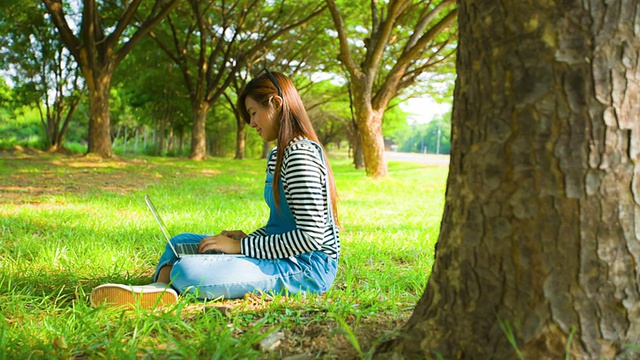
[429,159]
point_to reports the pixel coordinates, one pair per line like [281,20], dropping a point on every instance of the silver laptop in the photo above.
[179,250]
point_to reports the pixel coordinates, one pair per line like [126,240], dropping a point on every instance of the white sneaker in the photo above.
[146,296]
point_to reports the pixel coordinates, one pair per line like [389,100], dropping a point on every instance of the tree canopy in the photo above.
[171,63]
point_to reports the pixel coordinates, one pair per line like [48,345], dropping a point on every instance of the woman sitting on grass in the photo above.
[296,251]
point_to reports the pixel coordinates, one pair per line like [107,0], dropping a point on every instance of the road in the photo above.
[428,159]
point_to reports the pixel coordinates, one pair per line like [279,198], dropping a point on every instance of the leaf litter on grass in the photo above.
[32,177]
[29,177]
[314,333]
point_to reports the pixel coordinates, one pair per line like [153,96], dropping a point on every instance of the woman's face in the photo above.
[262,119]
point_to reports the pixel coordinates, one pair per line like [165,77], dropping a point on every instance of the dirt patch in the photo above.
[27,176]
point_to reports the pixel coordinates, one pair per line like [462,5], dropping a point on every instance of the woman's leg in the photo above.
[158,293]
[215,276]
[168,258]
[164,274]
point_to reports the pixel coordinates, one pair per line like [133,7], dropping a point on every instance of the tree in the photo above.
[406,39]
[5,98]
[59,91]
[538,251]
[328,107]
[212,43]
[98,53]
[149,87]
[40,68]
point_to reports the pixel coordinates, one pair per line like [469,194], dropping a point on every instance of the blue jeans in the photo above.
[214,276]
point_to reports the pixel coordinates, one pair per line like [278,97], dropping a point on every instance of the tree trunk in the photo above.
[172,138]
[372,143]
[181,142]
[539,245]
[240,137]
[198,133]
[61,131]
[369,124]
[266,148]
[160,136]
[358,156]
[99,116]
[97,56]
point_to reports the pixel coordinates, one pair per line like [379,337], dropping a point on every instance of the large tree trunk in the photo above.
[369,122]
[198,133]
[539,246]
[99,116]
[372,142]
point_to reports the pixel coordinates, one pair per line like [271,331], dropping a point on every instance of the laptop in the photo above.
[179,250]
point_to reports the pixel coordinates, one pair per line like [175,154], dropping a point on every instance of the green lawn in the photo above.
[68,224]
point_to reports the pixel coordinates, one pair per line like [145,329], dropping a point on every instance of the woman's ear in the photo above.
[277,102]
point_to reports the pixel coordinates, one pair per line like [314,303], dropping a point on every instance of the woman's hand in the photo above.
[221,243]
[235,234]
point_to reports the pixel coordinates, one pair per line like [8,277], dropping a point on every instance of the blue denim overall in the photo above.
[216,276]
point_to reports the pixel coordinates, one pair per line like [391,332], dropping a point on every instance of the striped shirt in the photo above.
[304,177]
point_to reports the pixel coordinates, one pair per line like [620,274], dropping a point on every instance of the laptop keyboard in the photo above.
[189,249]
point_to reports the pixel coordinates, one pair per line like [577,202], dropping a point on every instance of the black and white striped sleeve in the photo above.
[303,175]
[259,232]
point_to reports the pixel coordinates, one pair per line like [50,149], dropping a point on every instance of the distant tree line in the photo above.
[163,75]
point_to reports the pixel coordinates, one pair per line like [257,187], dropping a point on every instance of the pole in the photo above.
[438,141]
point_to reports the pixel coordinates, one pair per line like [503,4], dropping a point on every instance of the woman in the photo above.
[296,251]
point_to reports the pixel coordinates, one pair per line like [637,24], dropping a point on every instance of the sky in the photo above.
[423,109]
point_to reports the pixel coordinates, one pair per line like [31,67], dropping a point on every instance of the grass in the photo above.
[68,224]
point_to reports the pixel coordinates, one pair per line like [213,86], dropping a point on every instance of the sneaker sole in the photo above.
[117,296]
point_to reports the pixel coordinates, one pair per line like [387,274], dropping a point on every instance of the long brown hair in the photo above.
[294,122]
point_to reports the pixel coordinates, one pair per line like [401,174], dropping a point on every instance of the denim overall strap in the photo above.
[281,219]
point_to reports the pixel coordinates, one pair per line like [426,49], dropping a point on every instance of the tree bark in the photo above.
[369,128]
[100,116]
[199,135]
[371,141]
[358,156]
[539,244]
[58,126]
[240,137]
[266,148]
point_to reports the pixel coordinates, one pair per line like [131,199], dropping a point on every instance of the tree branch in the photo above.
[425,21]
[123,22]
[345,53]
[389,87]
[144,29]
[54,8]
[268,40]
[200,85]
[87,32]
[380,39]
[411,53]
[375,20]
